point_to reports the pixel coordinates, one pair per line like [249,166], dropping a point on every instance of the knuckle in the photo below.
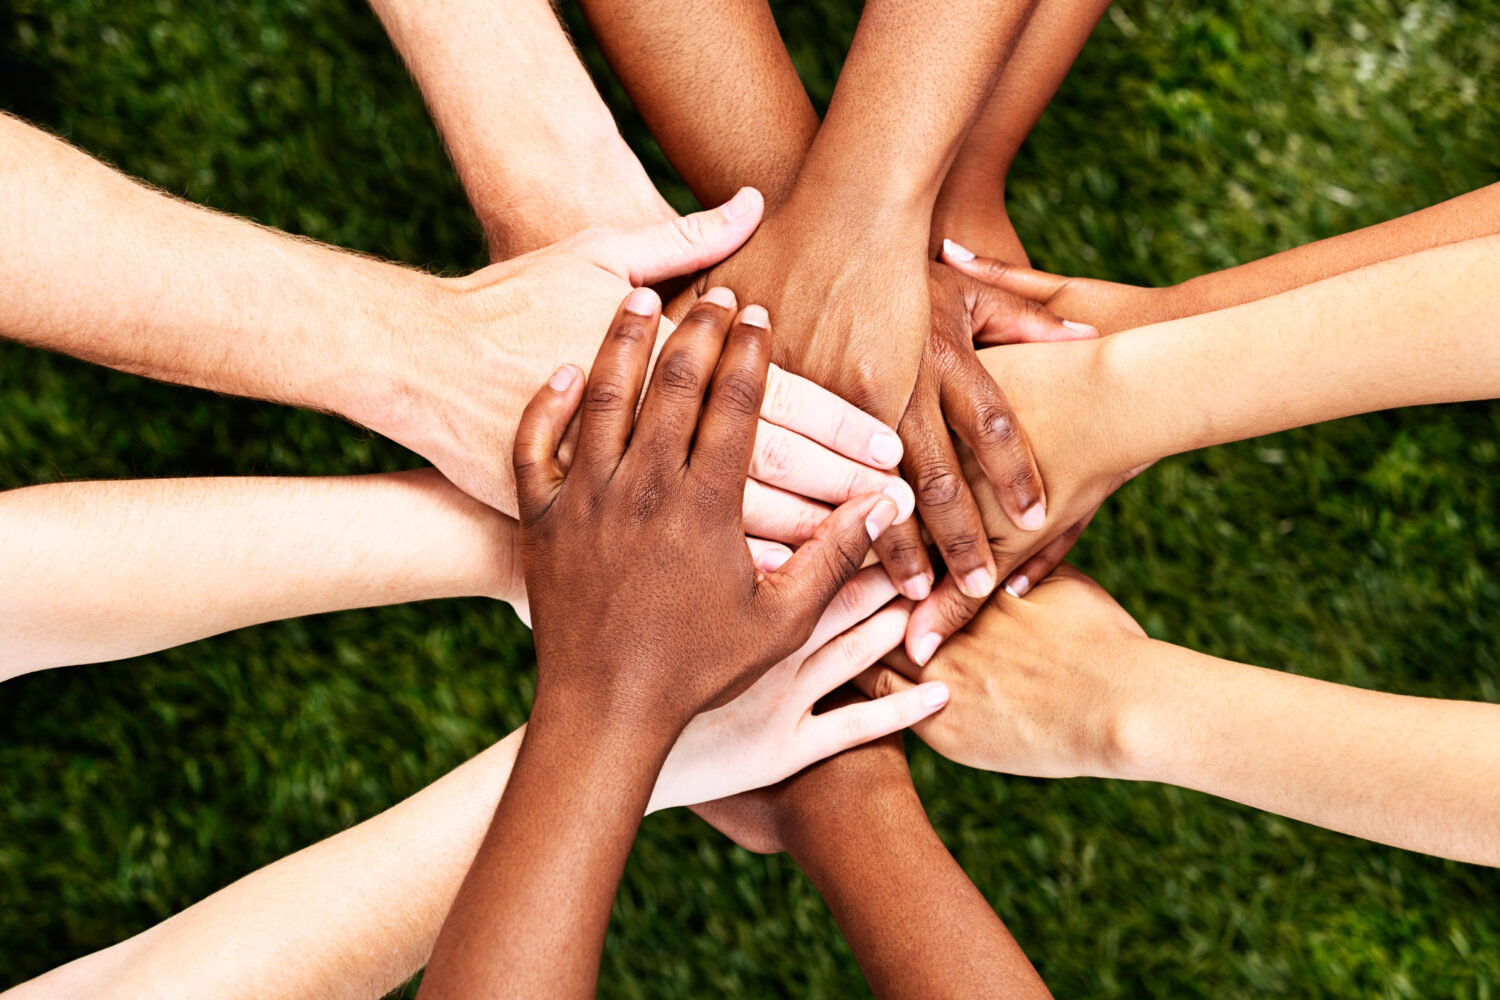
[994,426]
[689,229]
[939,486]
[955,613]
[782,400]
[855,729]
[630,329]
[962,546]
[604,395]
[883,684]
[679,374]
[904,554]
[1022,479]
[774,456]
[739,394]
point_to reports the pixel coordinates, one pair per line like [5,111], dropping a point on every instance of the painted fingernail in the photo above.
[756,316]
[917,587]
[977,583]
[885,449]
[1083,328]
[1018,585]
[740,205]
[1033,517]
[924,647]
[957,252]
[642,302]
[770,560]
[720,296]
[879,519]
[934,695]
[563,379]
[905,499]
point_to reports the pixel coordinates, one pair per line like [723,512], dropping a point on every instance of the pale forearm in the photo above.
[1417,773]
[535,146]
[106,570]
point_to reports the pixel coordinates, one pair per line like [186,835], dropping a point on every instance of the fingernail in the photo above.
[934,695]
[740,205]
[917,587]
[879,519]
[906,500]
[770,560]
[563,378]
[1033,517]
[1083,328]
[642,302]
[1018,585]
[957,252]
[756,316]
[977,583]
[885,449]
[720,296]
[925,647]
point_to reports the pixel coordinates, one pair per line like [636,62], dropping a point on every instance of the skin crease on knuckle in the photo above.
[679,374]
[939,486]
[738,394]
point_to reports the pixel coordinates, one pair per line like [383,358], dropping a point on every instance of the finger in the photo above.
[614,385]
[936,619]
[768,556]
[1038,286]
[880,681]
[944,499]
[802,589]
[780,516]
[841,658]
[1039,566]
[800,465]
[649,254]
[539,475]
[983,420]
[904,555]
[869,591]
[812,411]
[674,399]
[726,433]
[1000,317]
[855,725]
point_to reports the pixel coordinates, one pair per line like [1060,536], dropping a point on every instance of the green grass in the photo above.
[1189,137]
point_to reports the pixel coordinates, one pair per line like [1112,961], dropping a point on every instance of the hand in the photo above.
[462,378]
[645,600]
[765,820]
[1043,687]
[1106,305]
[770,731]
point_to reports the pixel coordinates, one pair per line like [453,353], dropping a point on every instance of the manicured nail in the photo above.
[1033,517]
[934,695]
[879,519]
[1083,328]
[740,205]
[642,302]
[563,379]
[720,296]
[917,587]
[925,647]
[977,583]
[905,499]
[885,449]
[1018,585]
[756,316]
[957,252]
[770,560]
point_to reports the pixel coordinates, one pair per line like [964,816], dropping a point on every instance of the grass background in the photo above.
[1189,137]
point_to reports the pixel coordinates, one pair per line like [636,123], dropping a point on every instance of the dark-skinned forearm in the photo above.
[916,923]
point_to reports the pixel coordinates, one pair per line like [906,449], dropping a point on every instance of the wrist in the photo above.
[1150,733]
[635,738]
[813,826]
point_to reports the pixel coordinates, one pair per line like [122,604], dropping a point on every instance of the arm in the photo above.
[1111,306]
[1379,337]
[916,924]
[319,922]
[536,148]
[1064,683]
[643,529]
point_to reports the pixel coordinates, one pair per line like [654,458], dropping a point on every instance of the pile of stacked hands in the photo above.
[815,486]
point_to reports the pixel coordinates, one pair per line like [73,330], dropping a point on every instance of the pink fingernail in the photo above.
[934,695]
[903,497]
[1082,328]
[642,302]
[885,449]
[917,587]
[1033,517]
[720,296]
[879,519]
[1018,585]
[756,316]
[957,252]
[977,583]
[562,380]
[740,205]
[924,647]
[770,560]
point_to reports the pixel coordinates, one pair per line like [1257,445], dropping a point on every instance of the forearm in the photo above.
[916,923]
[1417,773]
[531,915]
[534,144]
[113,272]
[716,86]
[107,570]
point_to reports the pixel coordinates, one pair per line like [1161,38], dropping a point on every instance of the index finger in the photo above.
[814,412]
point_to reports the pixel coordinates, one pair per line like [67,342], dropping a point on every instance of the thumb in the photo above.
[807,583]
[648,254]
[1039,286]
